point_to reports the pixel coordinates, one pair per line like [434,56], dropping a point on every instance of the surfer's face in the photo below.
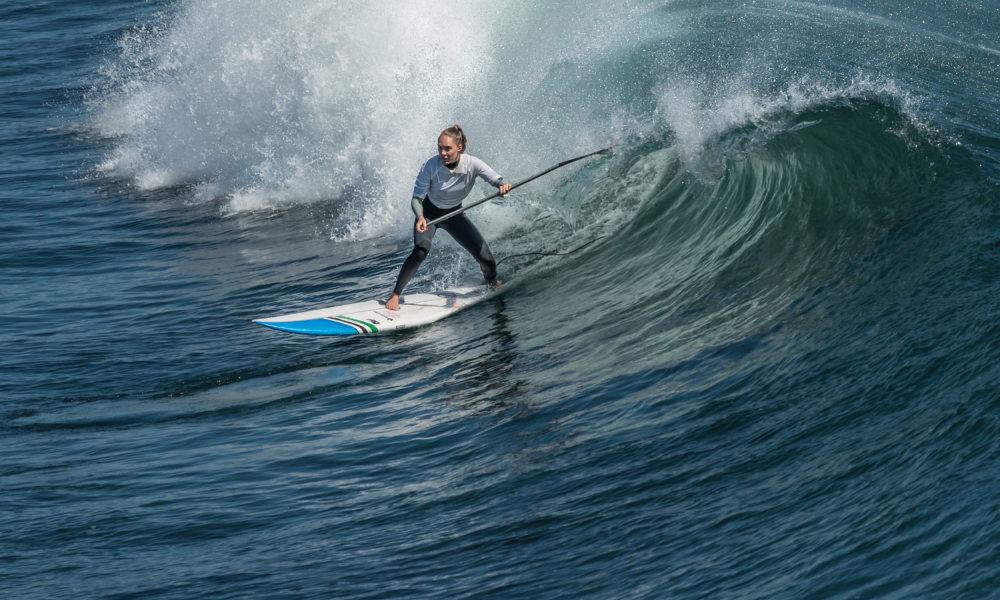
[448,150]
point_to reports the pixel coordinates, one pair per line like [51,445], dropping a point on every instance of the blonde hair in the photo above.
[455,132]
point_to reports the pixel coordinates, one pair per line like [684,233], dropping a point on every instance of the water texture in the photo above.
[773,375]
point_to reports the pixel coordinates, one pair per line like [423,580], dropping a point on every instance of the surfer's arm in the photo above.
[491,177]
[420,188]
[423,183]
[502,185]
[418,209]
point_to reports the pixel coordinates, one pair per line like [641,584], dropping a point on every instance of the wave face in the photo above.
[770,372]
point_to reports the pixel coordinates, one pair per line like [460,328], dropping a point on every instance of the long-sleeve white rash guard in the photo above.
[446,187]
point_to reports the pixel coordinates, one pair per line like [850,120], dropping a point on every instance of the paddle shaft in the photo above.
[516,185]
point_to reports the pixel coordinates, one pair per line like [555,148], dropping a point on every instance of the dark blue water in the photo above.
[774,377]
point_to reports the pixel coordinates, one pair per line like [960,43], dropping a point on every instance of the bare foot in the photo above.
[494,286]
[393,302]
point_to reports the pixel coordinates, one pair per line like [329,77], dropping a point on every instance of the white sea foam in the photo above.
[270,103]
[290,101]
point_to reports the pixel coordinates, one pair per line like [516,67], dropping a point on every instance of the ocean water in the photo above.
[774,376]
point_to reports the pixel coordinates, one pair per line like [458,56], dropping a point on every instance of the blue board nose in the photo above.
[313,327]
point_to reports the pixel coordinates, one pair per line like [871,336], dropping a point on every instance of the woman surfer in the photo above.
[443,182]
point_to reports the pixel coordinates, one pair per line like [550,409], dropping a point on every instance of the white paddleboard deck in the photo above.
[373,317]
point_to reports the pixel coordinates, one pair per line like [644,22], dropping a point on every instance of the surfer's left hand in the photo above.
[504,189]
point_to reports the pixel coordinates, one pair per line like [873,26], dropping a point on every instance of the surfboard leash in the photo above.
[550,254]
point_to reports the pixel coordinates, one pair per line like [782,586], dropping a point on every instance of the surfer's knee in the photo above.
[420,252]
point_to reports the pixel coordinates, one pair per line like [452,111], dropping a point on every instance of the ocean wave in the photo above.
[262,106]
[699,261]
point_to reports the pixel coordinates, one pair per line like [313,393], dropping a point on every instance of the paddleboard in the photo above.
[366,318]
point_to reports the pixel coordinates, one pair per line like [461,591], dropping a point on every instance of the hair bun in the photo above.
[455,132]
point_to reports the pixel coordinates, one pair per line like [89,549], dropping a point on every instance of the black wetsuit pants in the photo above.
[461,229]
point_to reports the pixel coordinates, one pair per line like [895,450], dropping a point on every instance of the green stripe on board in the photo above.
[355,327]
[368,325]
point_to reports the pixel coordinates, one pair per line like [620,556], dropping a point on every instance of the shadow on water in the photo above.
[484,383]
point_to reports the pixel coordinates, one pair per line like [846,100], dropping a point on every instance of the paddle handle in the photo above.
[517,185]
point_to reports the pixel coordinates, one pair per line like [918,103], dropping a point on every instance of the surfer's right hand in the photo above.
[421,224]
